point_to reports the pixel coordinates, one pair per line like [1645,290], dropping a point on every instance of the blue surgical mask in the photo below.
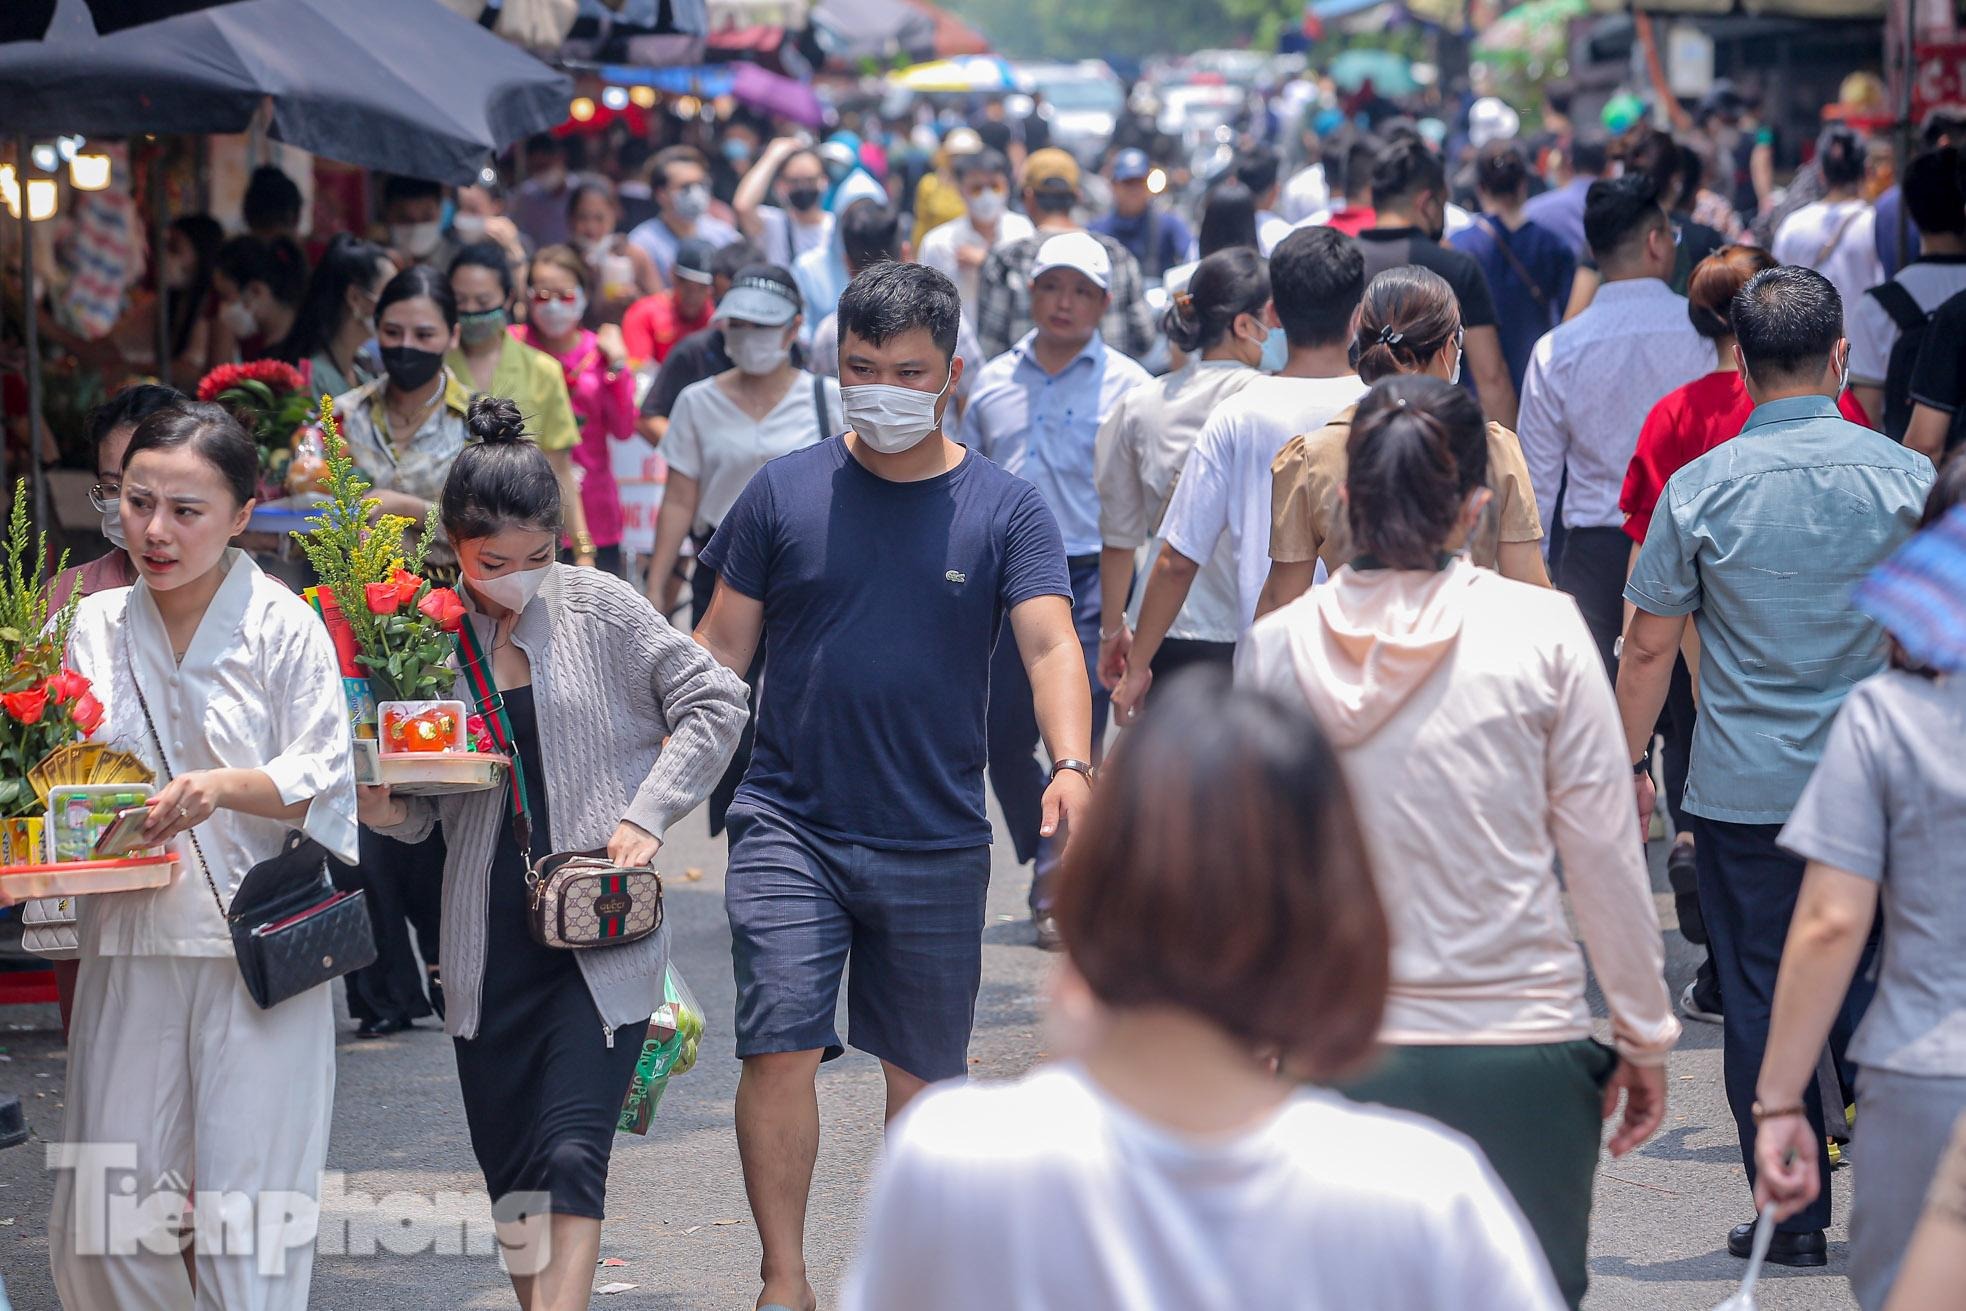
[1276,352]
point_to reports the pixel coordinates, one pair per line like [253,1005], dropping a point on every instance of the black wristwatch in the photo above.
[1643,765]
[1076,766]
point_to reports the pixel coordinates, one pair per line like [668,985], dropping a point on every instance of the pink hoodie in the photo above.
[1483,744]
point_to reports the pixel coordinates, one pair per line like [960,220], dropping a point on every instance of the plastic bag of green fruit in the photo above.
[674,1036]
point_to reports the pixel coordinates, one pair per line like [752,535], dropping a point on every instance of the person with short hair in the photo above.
[272,203]
[679,179]
[794,177]
[1259,170]
[697,356]
[1592,381]
[1154,234]
[1836,234]
[618,725]
[225,684]
[880,565]
[1036,410]
[257,286]
[1317,277]
[959,246]
[1684,425]
[1937,427]
[1904,308]
[413,210]
[653,325]
[1780,647]
[1470,716]
[1528,267]
[1409,200]
[1561,208]
[1156,1161]
[1050,182]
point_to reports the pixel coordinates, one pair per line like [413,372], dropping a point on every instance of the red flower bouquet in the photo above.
[43,703]
[271,399]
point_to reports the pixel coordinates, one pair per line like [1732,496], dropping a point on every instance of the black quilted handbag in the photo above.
[290,929]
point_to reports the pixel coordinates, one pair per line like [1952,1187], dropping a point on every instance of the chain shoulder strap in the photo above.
[143,703]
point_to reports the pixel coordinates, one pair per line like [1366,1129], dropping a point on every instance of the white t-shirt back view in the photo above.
[1048,1194]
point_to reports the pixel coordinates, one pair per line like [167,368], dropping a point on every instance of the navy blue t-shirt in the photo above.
[882,601]
[1519,318]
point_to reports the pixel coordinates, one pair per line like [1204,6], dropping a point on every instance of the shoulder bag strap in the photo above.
[819,405]
[1901,305]
[1515,261]
[143,703]
[1836,237]
[491,704]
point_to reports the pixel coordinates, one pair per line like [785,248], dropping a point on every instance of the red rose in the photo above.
[406,584]
[475,725]
[484,745]
[443,606]
[218,380]
[382,598]
[26,706]
[66,686]
[87,713]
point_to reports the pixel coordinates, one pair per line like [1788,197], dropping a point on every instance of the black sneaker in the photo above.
[13,1124]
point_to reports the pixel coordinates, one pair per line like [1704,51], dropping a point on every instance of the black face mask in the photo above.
[802,198]
[410,368]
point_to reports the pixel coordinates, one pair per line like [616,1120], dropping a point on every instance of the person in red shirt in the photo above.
[654,324]
[1681,428]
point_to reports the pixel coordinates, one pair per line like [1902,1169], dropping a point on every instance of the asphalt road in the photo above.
[677,1216]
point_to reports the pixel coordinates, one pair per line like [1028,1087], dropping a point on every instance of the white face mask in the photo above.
[891,419]
[112,527]
[756,351]
[469,227]
[514,591]
[416,239]
[690,203]
[988,206]
[238,318]
[556,317]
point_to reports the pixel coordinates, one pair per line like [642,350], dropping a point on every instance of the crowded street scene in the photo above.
[986,655]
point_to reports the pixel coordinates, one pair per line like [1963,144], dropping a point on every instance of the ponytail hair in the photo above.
[501,479]
[1227,283]
[1407,315]
[1418,446]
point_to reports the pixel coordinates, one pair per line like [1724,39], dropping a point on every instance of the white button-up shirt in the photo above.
[1589,386]
[939,247]
[259,689]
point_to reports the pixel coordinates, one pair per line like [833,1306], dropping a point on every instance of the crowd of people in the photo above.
[1377,529]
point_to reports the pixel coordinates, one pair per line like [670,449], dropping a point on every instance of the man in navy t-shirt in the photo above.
[877,568]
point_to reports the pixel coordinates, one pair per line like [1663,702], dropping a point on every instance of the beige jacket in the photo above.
[1482,744]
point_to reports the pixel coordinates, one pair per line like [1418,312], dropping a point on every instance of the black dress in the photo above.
[542,1089]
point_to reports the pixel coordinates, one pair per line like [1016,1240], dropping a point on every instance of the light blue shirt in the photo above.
[1043,426]
[1761,540]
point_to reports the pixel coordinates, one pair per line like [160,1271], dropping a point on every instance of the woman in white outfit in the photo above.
[176,1079]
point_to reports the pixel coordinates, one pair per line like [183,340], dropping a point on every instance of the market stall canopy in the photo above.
[27,20]
[969,73]
[872,29]
[953,36]
[757,87]
[1536,31]
[353,80]
[1391,74]
[1787,8]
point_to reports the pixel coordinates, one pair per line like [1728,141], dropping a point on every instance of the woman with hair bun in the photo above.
[1408,323]
[1483,746]
[1837,235]
[1224,319]
[621,726]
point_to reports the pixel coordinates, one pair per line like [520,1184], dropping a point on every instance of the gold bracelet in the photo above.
[583,544]
[1763,1114]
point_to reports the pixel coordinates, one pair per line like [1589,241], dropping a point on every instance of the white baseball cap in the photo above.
[1078,251]
[1491,120]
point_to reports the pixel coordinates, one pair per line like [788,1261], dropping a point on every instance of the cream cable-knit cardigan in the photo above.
[636,722]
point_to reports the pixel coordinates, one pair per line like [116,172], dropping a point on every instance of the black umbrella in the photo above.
[27,20]
[405,86]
